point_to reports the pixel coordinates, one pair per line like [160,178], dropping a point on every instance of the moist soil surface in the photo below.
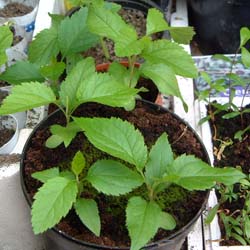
[237,154]
[183,205]
[6,135]
[15,10]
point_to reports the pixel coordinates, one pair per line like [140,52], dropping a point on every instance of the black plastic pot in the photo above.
[58,240]
[218,23]
[142,5]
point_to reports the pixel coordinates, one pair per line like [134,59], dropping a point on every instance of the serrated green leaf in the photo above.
[155,22]
[52,202]
[22,71]
[142,220]
[107,23]
[116,137]
[238,80]
[6,38]
[74,35]
[164,78]
[167,221]
[113,178]
[72,61]
[53,71]
[193,174]
[103,88]
[206,77]
[211,214]
[160,156]
[44,47]
[46,175]
[244,36]
[182,35]
[73,82]
[245,57]
[78,163]
[172,55]
[87,211]
[62,134]
[56,20]
[27,96]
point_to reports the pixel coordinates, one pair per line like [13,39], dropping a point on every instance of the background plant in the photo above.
[236,221]
[121,140]
[228,84]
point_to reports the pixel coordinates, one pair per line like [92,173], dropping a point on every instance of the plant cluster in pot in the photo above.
[104,165]
[71,36]
[229,122]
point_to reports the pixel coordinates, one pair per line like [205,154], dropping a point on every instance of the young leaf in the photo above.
[78,163]
[54,141]
[44,47]
[160,156]
[116,137]
[212,214]
[69,87]
[87,211]
[155,22]
[182,35]
[244,36]
[22,71]
[167,221]
[6,38]
[143,220]
[74,35]
[245,56]
[172,55]
[46,175]
[193,174]
[112,177]
[62,134]
[27,96]
[52,202]
[103,88]
[53,71]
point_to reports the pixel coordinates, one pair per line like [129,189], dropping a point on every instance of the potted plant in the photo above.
[126,156]
[230,110]
[20,13]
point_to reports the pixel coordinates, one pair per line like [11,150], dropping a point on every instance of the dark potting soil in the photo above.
[6,135]
[235,155]
[152,123]
[15,9]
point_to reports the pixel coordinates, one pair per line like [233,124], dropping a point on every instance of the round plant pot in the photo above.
[55,238]
[218,23]
[20,117]
[9,122]
[25,22]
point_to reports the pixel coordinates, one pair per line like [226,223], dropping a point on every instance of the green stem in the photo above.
[105,48]
[131,61]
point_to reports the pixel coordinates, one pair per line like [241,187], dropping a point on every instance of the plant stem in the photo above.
[105,48]
[131,61]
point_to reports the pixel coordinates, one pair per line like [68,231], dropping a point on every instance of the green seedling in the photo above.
[121,140]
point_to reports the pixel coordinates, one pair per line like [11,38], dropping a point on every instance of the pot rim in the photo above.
[80,242]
